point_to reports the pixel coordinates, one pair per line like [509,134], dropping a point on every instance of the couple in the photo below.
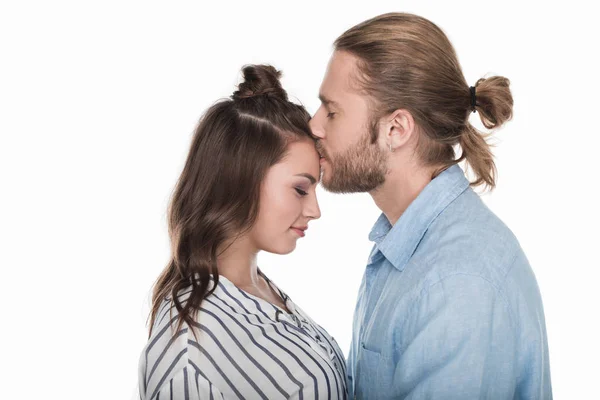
[448,307]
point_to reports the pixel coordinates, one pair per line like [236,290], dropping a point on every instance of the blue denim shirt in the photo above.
[448,307]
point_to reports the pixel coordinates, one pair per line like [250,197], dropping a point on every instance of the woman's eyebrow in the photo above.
[311,178]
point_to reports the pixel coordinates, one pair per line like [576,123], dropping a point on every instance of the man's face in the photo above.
[350,163]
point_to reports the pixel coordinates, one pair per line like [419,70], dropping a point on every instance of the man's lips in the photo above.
[321,155]
[321,150]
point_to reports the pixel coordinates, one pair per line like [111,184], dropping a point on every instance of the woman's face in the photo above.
[288,200]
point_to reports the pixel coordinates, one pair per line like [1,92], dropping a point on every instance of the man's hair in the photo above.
[407,62]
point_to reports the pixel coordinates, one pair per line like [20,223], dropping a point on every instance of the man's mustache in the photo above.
[321,150]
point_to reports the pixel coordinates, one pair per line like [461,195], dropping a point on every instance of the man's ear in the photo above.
[399,128]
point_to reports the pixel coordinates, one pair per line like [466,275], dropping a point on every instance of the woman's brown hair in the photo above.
[217,196]
[407,62]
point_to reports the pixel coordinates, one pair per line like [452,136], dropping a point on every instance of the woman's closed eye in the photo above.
[301,192]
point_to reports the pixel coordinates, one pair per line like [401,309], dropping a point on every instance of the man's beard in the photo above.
[361,168]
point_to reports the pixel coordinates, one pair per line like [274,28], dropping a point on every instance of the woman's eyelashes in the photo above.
[301,192]
[330,115]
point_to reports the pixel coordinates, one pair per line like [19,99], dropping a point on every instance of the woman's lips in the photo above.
[299,231]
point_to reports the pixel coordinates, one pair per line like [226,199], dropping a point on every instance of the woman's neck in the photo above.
[237,262]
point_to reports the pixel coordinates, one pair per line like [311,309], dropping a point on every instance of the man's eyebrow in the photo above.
[326,100]
[311,178]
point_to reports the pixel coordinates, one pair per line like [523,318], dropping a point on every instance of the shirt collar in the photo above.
[398,242]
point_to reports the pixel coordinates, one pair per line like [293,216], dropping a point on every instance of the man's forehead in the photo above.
[340,72]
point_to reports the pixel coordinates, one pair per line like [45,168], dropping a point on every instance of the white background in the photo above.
[98,101]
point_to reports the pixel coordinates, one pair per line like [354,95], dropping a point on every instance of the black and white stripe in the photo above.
[246,348]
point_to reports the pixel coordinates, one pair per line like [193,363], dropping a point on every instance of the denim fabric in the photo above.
[448,307]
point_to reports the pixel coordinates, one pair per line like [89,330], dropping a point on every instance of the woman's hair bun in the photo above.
[260,80]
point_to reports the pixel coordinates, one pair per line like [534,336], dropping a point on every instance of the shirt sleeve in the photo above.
[187,384]
[458,342]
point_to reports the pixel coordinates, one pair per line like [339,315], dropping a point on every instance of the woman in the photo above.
[219,327]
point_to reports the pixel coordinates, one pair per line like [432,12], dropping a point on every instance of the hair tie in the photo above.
[473,98]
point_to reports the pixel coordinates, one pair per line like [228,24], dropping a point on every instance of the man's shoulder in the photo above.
[469,239]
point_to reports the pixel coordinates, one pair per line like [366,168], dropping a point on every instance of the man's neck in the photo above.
[402,186]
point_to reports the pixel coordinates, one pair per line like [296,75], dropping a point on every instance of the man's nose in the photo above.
[316,128]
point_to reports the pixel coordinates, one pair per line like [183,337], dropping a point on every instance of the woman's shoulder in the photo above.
[168,313]
[170,341]
[165,352]
[218,309]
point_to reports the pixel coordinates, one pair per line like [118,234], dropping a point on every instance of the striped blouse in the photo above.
[247,348]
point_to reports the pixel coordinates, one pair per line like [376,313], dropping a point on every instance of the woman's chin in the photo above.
[281,249]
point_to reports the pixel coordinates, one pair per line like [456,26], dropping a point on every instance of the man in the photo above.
[448,307]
